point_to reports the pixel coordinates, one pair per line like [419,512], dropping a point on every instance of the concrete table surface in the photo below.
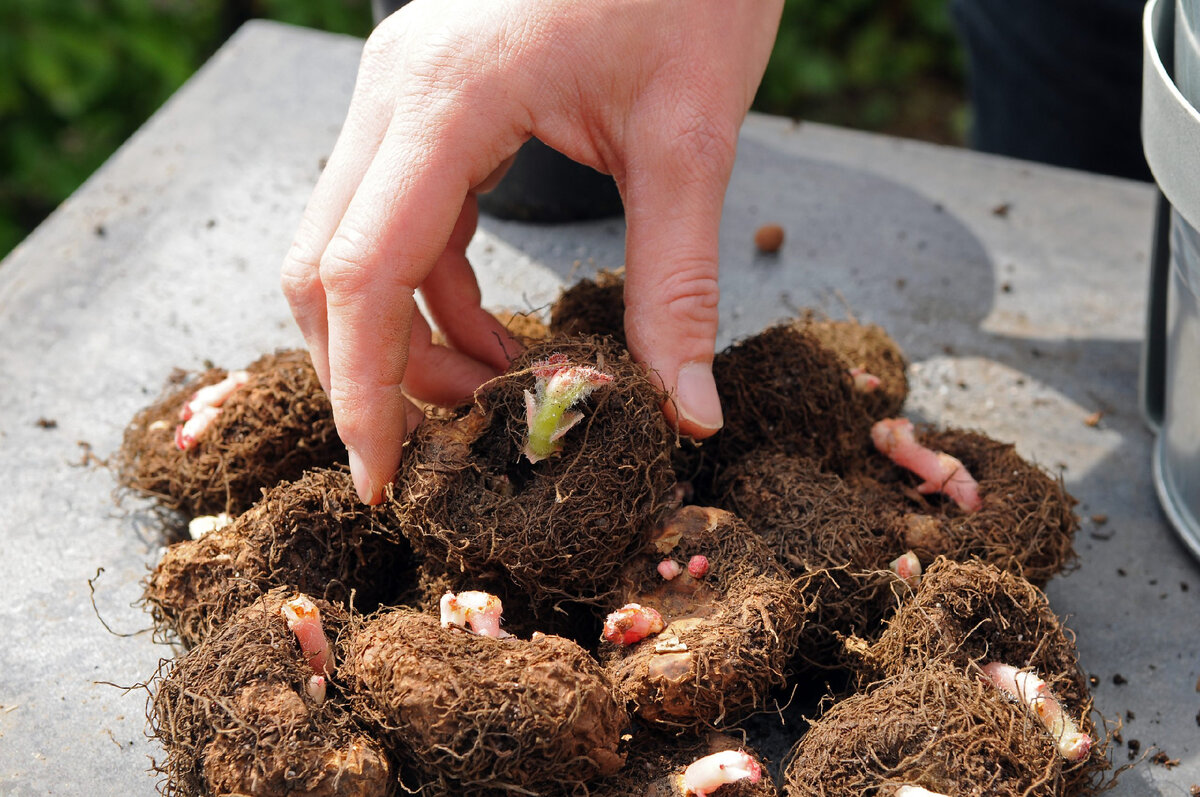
[1016,290]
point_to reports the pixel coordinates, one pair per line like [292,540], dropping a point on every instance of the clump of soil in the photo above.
[1026,524]
[869,348]
[937,728]
[728,634]
[656,762]
[827,536]
[968,613]
[592,307]
[269,430]
[312,535]
[235,717]
[560,528]
[472,712]
[791,387]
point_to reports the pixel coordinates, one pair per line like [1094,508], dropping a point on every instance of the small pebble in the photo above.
[768,238]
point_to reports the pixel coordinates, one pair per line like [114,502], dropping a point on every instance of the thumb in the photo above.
[673,212]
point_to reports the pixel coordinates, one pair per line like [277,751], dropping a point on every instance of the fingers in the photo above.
[394,231]
[452,295]
[300,276]
[674,190]
[439,375]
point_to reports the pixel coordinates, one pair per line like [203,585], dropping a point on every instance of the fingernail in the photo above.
[362,481]
[696,396]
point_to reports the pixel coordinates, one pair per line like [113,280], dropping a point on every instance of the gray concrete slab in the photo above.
[1020,323]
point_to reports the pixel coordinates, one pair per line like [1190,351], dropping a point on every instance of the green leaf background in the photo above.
[77,77]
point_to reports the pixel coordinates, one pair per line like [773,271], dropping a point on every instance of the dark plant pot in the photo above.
[545,185]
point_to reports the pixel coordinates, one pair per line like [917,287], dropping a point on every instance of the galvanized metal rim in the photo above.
[1180,517]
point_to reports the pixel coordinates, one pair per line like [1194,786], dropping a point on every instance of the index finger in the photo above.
[392,234]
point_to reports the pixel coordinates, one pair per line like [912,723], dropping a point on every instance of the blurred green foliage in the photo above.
[77,77]
[887,65]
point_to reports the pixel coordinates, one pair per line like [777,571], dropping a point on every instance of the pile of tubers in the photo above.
[560,596]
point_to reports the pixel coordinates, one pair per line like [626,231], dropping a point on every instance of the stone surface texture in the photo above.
[1017,291]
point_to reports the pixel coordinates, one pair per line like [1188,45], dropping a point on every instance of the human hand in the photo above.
[650,91]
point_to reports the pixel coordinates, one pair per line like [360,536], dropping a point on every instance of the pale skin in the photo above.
[650,91]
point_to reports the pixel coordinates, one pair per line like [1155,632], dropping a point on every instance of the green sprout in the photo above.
[548,411]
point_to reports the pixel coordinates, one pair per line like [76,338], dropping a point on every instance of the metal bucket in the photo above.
[1171,361]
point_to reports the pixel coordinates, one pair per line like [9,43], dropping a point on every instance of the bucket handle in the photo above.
[1152,395]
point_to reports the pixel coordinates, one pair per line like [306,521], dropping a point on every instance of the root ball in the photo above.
[728,635]
[561,527]
[235,717]
[475,712]
[937,728]
[312,535]
[271,429]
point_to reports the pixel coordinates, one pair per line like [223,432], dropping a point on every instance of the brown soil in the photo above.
[592,307]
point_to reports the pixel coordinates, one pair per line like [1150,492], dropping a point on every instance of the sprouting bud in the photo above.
[669,568]
[202,409]
[916,791]
[698,566]
[632,623]
[304,620]
[705,775]
[478,611]
[1031,691]
[907,567]
[942,473]
[548,411]
[214,395]
[865,382]
[316,688]
[205,524]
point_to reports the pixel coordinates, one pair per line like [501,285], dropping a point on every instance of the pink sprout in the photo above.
[1031,691]
[479,611]
[942,473]
[865,382]
[632,623]
[908,567]
[202,409]
[698,566]
[917,791]
[304,620]
[708,774]
[669,568]
[316,688]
